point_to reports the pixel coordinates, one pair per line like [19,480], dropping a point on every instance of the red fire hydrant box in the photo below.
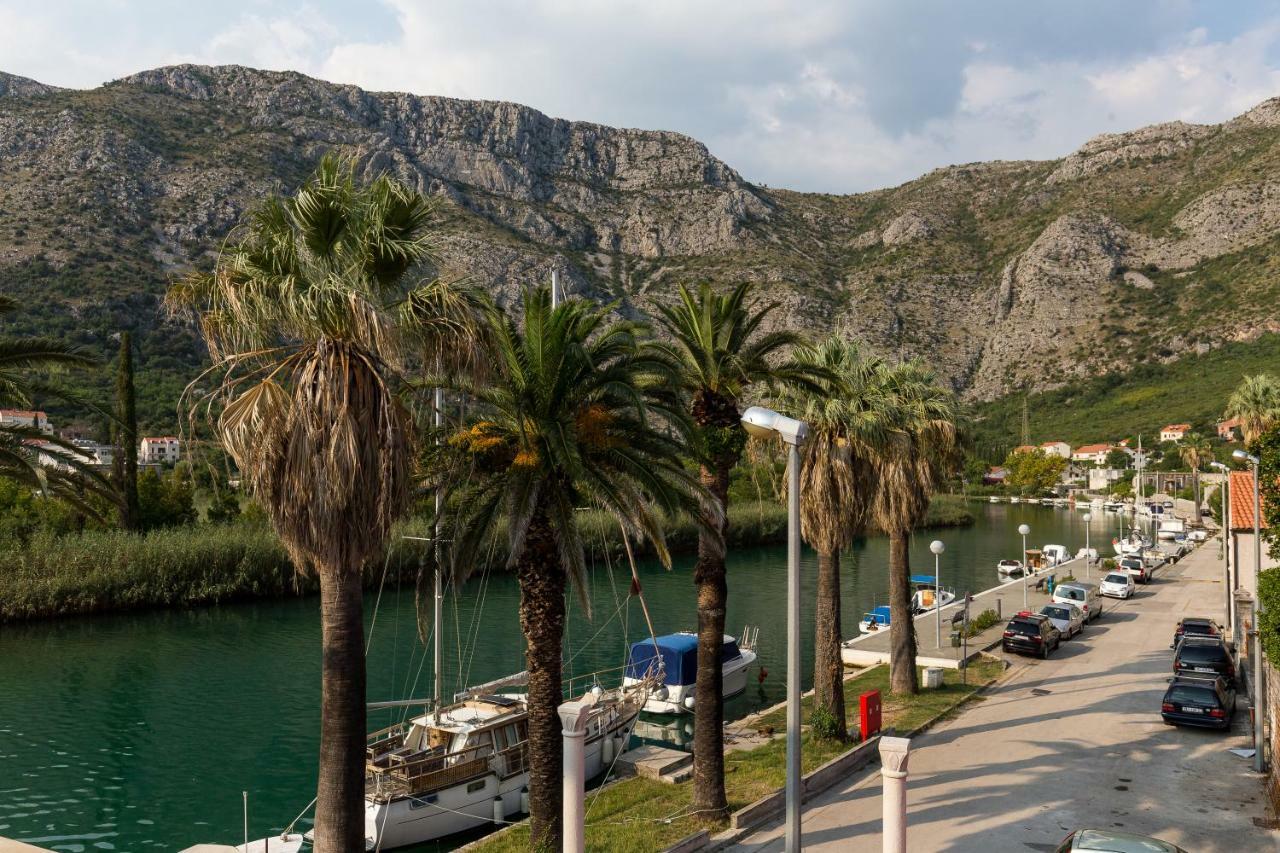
[869,713]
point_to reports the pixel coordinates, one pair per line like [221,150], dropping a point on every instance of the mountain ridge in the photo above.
[1004,275]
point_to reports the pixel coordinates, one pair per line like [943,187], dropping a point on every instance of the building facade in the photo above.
[159,450]
[1174,432]
[1057,448]
[26,418]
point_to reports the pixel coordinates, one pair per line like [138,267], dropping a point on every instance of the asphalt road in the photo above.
[1075,741]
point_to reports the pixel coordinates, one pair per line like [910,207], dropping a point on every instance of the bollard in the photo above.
[894,752]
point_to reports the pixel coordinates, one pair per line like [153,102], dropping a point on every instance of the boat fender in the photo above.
[606,751]
[524,800]
[661,693]
[499,813]
[688,702]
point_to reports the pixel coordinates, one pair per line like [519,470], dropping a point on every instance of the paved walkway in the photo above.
[1007,599]
[1074,741]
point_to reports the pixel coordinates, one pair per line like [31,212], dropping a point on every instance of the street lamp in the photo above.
[1026,564]
[1088,552]
[1259,701]
[1226,549]
[937,548]
[765,423]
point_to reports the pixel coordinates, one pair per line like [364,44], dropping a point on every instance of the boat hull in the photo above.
[680,696]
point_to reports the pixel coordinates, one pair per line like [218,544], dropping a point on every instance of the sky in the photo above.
[838,96]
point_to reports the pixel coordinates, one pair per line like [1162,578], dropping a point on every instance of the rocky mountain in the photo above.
[1139,246]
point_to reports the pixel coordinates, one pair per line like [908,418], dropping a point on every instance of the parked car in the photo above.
[1032,633]
[1167,504]
[1195,625]
[1117,585]
[1209,655]
[1135,566]
[1193,700]
[1082,594]
[1110,841]
[1067,618]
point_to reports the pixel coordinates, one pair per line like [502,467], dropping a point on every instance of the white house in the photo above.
[1174,432]
[1091,454]
[1240,520]
[157,450]
[25,418]
[1056,448]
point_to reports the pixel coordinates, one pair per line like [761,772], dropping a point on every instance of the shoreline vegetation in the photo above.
[92,572]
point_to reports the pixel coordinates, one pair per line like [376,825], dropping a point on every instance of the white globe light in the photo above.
[937,547]
[1024,529]
[1088,517]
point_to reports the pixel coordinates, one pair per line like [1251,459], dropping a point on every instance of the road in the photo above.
[1074,741]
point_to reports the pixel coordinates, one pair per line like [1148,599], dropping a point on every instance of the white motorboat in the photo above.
[1047,501]
[675,656]
[1135,542]
[1015,499]
[993,499]
[927,595]
[1055,555]
[877,619]
[1171,528]
[466,765]
[1008,570]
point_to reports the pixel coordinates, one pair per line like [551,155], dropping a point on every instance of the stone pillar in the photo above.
[573,719]
[894,752]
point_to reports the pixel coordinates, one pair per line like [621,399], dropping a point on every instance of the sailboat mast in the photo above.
[437,417]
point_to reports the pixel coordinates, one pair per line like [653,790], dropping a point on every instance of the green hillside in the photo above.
[1190,390]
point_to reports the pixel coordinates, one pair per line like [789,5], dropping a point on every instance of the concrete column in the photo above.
[894,752]
[573,719]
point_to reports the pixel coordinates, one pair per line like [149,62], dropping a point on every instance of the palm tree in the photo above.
[1195,452]
[569,417]
[850,414]
[918,457]
[306,314]
[27,453]
[719,351]
[1256,404]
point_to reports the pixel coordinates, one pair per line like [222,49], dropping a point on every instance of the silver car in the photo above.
[1110,841]
[1067,618]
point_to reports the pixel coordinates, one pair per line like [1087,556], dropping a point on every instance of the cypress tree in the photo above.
[125,459]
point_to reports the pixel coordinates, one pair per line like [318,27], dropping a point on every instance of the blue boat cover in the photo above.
[679,658]
[923,579]
[880,615]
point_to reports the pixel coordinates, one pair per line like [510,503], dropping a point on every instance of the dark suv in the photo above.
[1204,656]
[1194,700]
[1032,633]
[1195,626]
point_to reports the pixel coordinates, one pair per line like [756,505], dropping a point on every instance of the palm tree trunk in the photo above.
[709,801]
[828,668]
[902,627]
[340,792]
[542,613]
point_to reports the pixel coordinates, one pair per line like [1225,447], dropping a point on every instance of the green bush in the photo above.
[823,724]
[983,621]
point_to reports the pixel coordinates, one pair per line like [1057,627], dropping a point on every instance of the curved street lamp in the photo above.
[937,548]
[1088,552]
[1024,529]
[765,423]
[1259,702]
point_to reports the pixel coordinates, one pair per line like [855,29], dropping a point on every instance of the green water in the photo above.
[139,732]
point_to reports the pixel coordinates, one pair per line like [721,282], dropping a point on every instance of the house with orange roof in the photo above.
[1240,525]
[1174,432]
[1229,430]
[25,418]
[1056,448]
[1092,454]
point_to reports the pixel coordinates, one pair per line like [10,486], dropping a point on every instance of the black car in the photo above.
[1193,700]
[1204,656]
[1032,633]
[1195,626]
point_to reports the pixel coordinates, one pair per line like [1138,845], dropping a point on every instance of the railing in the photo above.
[429,773]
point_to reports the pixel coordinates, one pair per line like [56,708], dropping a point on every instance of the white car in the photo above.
[1198,535]
[1067,618]
[1117,585]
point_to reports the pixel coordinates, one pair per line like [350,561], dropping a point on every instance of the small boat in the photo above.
[1134,543]
[1015,499]
[876,620]
[1171,528]
[676,657]
[993,499]
[1055,555]
[927,595]
[287,842]
[1008,570]
[1047,501]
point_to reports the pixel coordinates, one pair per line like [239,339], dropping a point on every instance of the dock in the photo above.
[1005,599]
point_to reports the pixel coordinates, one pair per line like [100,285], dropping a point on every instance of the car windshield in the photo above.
[1120,579]
[1057,612]
[1189,693]
[1198,628]
[1201,654]
[1022,627]
[1071,593]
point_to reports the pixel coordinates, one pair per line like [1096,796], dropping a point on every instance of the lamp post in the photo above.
[1024,529]
[1088,552]
[937,548]
[1226,548]
[1259,701]
[764,423]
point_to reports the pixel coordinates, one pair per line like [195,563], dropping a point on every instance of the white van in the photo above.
[1082,594]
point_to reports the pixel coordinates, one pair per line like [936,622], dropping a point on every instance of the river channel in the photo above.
[140,731]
